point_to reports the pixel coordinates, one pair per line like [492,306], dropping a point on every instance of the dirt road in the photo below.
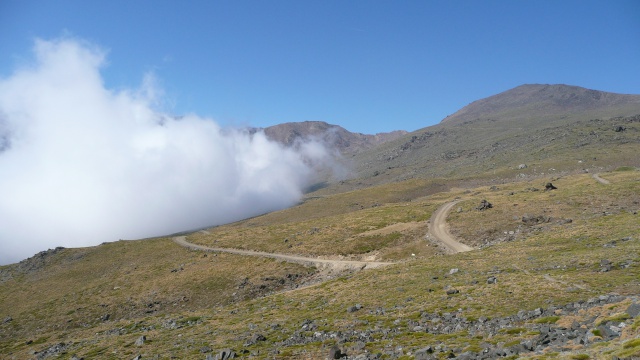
[601,180]
[440,230]
[336,264]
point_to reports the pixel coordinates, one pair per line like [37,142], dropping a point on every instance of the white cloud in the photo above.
[83,164]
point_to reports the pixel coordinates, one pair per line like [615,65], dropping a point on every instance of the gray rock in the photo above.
[633,310]
[8,319]
[354,308]
[453,271]
[607,332]
[336,353]
[484,205]
[255,338]
[452,291]
[224,354]
[140,341]
[425,354]
[492,280]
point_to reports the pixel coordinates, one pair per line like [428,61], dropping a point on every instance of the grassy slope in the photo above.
[494,149]
[570,253]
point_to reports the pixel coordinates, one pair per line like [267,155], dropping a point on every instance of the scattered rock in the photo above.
[549,186]
[484,204]
[620,128]
[534,220]
[633,310]
[605,265]
[8,319]
[225,354]
[52,351]
[354,308]
[522,166]
[492,280]
[255,338]
[453,271]
[141,340]
[336,353]
[452,291]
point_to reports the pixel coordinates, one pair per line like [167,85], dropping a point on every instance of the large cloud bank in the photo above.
[81,164]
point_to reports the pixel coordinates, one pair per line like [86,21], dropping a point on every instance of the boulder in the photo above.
[634,310]
[484,204]
[224,354]
[336,353]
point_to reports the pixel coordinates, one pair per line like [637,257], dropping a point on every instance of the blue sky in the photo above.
[369,66]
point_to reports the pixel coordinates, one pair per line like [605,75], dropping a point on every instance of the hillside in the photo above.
[541,102]
[554,271]
[333,136]
[545,127]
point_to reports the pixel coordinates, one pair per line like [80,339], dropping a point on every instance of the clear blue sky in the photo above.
[369,66]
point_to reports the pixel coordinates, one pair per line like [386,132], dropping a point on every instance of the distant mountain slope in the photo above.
[333,135]
[546,102]
[550,126]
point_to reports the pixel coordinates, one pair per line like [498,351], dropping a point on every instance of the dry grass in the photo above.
[560,263]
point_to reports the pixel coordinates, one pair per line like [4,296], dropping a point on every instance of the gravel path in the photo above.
[601,180]
[439,229]
[339,264]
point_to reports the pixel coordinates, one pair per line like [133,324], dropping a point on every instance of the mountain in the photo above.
[547,126]
[546,102]
[553,272]
[333,136]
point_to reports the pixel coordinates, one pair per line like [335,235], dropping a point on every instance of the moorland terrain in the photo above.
[359,269]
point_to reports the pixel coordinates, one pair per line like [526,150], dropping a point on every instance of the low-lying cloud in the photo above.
[81,164]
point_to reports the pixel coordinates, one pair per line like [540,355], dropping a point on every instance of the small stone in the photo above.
[492,280]
[453,271]
[140,341]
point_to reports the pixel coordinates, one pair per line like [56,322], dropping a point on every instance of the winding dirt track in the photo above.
[601,180]
[440,230]
[339,264]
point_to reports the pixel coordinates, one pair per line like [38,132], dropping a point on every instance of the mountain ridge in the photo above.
[334,136]
[546,101]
